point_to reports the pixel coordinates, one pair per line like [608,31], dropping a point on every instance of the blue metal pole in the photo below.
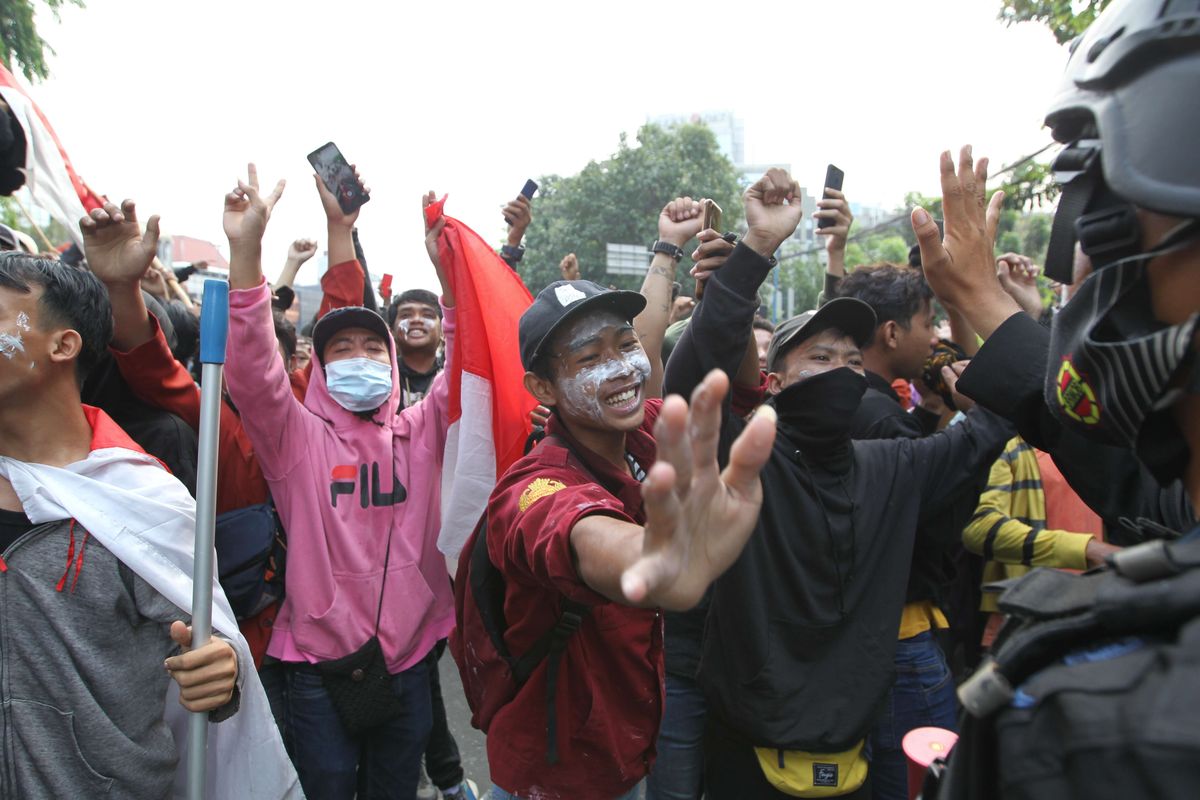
[214,330]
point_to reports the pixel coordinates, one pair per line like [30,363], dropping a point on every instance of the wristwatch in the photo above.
[512,254]
[666,248]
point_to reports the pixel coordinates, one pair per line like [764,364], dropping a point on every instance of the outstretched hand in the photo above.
[772,211]
[206,676]
[117,250]
[247,211]
[698,518]
[960,269]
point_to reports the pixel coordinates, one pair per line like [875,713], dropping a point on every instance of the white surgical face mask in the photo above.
[359,384]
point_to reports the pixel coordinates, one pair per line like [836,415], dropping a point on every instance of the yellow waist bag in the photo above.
[801,774]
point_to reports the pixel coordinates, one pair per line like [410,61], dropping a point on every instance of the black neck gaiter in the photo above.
[816,413]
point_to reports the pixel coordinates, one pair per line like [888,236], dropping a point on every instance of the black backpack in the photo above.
[251,557]
[1093,686]
[491,675]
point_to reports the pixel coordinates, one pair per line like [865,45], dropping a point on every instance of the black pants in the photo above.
[442,760]
[731,771]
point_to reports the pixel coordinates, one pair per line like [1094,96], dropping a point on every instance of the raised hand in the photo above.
[206,676]
[961,270]
[432,234]
[302,250]
[711,255]
[1018,277]
[333,211]
[569,267]
[155,282]
[247,211]
[772,211]
[698,518]
[679,221]
[836,208]
[116,249]
[518,214]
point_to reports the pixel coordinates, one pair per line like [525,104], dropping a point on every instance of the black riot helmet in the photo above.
[1128,111]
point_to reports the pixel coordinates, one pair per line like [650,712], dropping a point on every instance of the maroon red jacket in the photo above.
[610,680]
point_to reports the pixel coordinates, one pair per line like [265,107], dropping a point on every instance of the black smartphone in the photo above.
[833,180]
[338,177]
[530,188]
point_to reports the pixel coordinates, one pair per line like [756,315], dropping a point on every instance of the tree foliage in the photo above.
[20,43]
[12,216]
[1066,19]
[618,200]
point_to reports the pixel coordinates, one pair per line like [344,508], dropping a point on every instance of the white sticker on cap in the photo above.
[568,294]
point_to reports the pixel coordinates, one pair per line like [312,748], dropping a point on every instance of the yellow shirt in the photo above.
[919,617]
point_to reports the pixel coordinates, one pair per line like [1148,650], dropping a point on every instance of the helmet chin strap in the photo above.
[1105,224]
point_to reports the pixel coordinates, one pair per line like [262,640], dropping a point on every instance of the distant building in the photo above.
[727,127]
[179,251]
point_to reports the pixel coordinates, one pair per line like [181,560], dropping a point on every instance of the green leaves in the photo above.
[618,200]
[20,43]
[1065,19]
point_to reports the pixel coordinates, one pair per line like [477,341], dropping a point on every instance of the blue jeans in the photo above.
[384,764]
[499,794]
[679,769]
[923,695]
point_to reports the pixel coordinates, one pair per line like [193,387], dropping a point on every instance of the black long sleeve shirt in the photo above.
[1007,375]
[797,652]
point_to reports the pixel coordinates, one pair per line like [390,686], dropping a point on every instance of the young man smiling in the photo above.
[416,320]
[593,517]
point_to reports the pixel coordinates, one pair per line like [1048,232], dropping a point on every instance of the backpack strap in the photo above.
[569,620]
[487,587]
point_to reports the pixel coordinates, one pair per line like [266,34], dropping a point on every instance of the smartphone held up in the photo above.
[833,180]
[338,176]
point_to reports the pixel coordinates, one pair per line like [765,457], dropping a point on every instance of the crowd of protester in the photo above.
[738,559]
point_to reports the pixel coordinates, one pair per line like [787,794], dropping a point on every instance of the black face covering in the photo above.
[1112,363]
[815,413]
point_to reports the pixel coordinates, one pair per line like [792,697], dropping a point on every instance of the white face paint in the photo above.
[11,344]
[23,321]
[581,394]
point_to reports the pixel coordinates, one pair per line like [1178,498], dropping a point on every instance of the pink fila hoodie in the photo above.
[340,484]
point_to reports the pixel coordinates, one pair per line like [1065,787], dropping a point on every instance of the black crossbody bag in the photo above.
[359,684]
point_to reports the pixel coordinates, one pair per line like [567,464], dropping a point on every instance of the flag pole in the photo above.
[45,239]
[214,329]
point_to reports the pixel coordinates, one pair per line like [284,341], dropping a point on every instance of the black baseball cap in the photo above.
[564,300]
[342,318]
[848,314]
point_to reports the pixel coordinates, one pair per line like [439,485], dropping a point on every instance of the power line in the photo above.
[887,223]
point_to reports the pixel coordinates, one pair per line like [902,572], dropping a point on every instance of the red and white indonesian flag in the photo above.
[49,176]
[489,407]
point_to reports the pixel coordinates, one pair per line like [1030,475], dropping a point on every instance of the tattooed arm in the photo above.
[679,221]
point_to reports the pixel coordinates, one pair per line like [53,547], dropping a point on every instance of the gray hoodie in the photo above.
[82,683]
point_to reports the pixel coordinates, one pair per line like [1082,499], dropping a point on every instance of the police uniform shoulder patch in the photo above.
[537,489]
[1075,396]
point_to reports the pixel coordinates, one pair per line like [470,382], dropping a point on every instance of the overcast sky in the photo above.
[165,100]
